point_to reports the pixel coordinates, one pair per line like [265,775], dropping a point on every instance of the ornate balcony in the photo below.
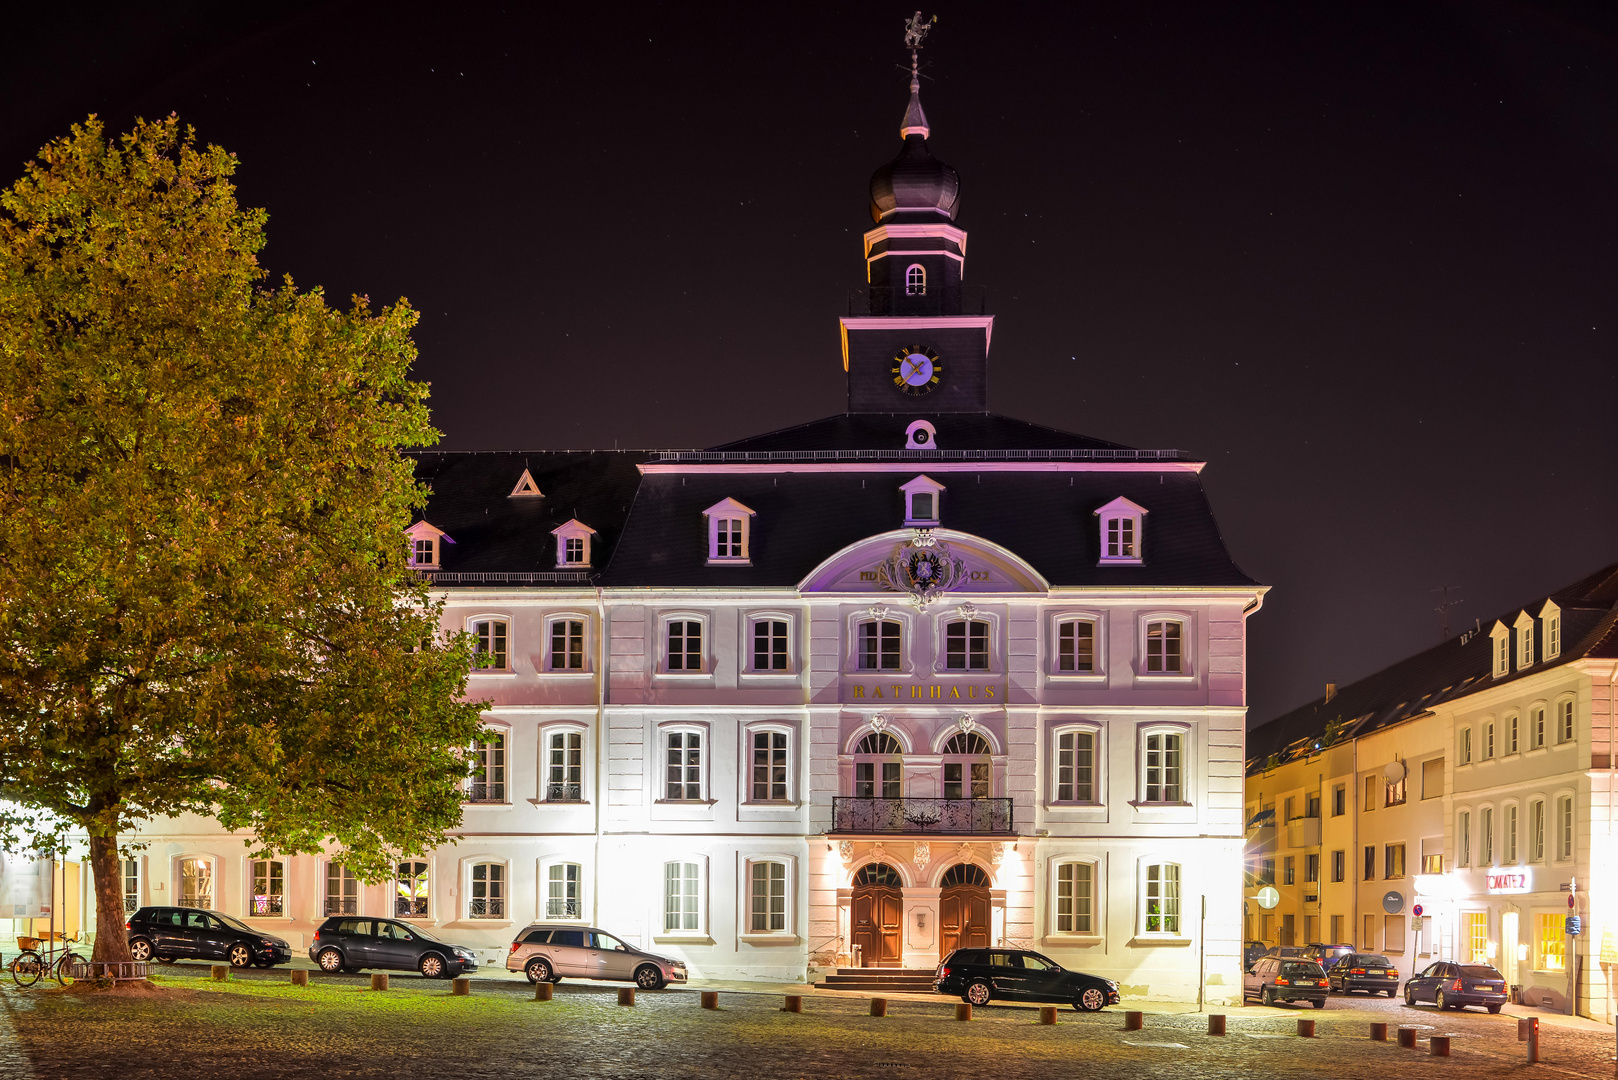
[940,817]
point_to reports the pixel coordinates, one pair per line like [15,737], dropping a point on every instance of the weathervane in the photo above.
[915,34]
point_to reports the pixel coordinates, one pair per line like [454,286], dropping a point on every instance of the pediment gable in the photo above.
[889,562]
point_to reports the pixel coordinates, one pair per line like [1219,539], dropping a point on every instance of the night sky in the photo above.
[1358,257]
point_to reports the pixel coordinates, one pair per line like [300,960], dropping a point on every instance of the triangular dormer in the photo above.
[425,545]
[1525,639]
[1551,638]
[573,545]
[1122,532]
[729,533]
[1500,643]
[526,488]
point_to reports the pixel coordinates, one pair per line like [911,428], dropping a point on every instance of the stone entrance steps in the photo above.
[881,980]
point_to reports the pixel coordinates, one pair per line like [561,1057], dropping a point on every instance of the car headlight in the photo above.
[1110,984]
[464,954]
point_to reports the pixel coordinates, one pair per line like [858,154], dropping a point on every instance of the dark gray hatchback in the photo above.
[346,943]
[174,933]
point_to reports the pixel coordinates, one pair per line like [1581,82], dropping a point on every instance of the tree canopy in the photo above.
[205,603]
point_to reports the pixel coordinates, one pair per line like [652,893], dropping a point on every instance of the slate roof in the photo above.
[956,431]
[1454,669]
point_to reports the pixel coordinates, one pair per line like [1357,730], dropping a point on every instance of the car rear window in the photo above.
[1479,971]
[968,956]
[1372,961]
[537,937]
[1306,970]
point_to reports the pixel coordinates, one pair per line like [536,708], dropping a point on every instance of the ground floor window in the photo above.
[682,886]
[1552,946]
[1475,925]
[129,871]
[1163,898]
[488,891]
[769,898]
[269,887]
[1075,898]
[1368,934]
[342,890]
[411,890]
[1393,933]
[196,883]
[562,891]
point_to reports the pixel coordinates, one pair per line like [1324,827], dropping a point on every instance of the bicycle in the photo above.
[28,966]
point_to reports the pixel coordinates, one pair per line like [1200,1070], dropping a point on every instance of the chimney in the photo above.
[1331,690]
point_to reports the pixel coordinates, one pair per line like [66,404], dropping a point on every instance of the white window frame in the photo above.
[1525,640]
[1567,725]
[771,728]
[1487,730]
[729,510]
[542,892]
[664,621]
[469,866]
[504,618]
[912,286]
[995,759]
[1500,644]
[1539,727]
[1538,819]
[1513,735]
[546,733]
[1510,833]
[1552,640]
[907,631]
[1098,639]
[397,879]
[1463,837]
[749,659]
[1143,893]
[922,485]
[698,933]
[139,862]
[424,532]
[1143,624]
[1143,734]
[474,753]
[573,529]
[790,887]
[326,866]
[1463,748]
[1567,823]
[177,879]
[548,645]
[941,644]
[1486,848]
[1117,517]
[250,881]
[704,748]
[1097,771]
[1054,930]
[876,761]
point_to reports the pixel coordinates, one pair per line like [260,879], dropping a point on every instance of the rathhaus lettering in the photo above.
[922,692]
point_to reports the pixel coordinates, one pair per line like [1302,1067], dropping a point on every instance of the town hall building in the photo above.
[850,694]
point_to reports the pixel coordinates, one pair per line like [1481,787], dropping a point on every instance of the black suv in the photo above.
[981,975]
[171,933]
[346,943]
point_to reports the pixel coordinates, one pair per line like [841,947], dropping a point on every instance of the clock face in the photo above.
[917,370]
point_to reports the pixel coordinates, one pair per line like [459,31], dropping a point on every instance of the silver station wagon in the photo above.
[546,952]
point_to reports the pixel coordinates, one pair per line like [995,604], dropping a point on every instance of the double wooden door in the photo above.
[963,918]
[876,914]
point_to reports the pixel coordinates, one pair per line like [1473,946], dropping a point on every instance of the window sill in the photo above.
[472,924]
[1153,940]
[682,675]
[490,674]
[1119,561]
[1092,805]
[684,802]
[682,939]
[570,673]
[1160,805]
[729,562]
[502,805]
[1166,676]
[762,675]
[559,802]
[779,938]
[1078,676]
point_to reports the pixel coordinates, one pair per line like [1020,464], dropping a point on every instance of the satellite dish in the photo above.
[1395,771]
[1393,902]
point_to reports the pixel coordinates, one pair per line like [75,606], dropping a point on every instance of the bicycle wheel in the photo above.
[27,968]
[65,968]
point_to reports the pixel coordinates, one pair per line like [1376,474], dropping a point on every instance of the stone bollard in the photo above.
[879,1006]
[300,977]
[794,1003]
[626,996]
[1407,1038]
[1438,1045]
[379,980]
[543,991]
[220,972]
[1379,1033]
[1306,1029]
[710,999]
[1047,1014]
[1522,1028]
[461,987]
[1533,1040]
[963,1011]
[1133,1021]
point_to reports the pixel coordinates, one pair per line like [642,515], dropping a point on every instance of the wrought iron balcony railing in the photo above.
[265,905]
[900,300]
[937,816]
[205,902]
[336,905]
[131,904]
[410,907]
[492,908]
[564,793]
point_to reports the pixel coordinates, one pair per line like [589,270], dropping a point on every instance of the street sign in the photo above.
[1572,901]
[1268,897]
[1416,911]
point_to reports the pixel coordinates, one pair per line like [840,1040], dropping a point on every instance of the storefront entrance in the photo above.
[963,909]
[876,913]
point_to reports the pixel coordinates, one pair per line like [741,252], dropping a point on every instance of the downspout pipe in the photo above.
[600,752]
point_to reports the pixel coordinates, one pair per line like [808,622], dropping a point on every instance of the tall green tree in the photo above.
[204,600]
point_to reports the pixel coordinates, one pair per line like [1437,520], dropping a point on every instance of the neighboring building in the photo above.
[1474,780]
[860,691]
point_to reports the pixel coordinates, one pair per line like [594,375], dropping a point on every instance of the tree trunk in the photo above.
[112,943]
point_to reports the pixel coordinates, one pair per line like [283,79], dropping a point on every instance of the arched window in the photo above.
[880,778]
[916,280]
[964,874]
[269,887]
[488,900]
[971,778]
[413,892]
[877,874]
[196,883]
[342,890]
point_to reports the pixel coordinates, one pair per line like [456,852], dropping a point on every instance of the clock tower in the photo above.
[916,339]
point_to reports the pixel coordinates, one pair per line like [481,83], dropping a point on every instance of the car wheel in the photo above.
[1438,999]
[1493,1009]
[240,956]
[1391,991]
[538,971]
[431,966]
[1267,997]
[1320,1003]
[977,993]
[1410,997]
[648,977]
[1091,1000]
[330,960]
[140,950]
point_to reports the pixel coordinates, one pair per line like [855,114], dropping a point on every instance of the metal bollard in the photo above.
[626,996]
[710,999]
[1133,1021]
[460,987]
[879,1006]
[1533,1040]
[793,1004]
[220,972]
[1379,1033]
[1216,1023]
[1047,1014]
[1407,1038]
[543,991]
[300,977]
[1438,1045]
[1306,1029]
[963,1011]
[379,981]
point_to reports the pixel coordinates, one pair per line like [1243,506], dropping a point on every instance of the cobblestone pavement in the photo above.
[258,1025]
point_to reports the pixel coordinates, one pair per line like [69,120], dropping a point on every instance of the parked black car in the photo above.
[1452,985]
[982,975]
[1277,978]
[172,933]
[346,943]
[1371,972]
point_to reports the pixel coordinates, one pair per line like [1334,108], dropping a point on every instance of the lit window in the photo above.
[1564,828]
[269,887]
[489,770]
[1164,751]
[916,280]
[685,645]
[684,766]
[878,770]
[769,766]
[880,643]
[1121,526]
[1393,792]
[342,890]
[770,645]
[1075,898]
[1477,936]
[411,892]
[682,896]
[567,645]
[196,883]
[564,767]
[729,526]
[1075,766]
[969,779]
[562,891]
[1552,942]
[768,899]
[966,645]
[1564,721]
[1163,898]
[1163,645]
[1076,647]
[921,497]
[490,647]
[488,899]
[1393,861]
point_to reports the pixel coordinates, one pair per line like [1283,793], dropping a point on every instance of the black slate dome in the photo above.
[915,185]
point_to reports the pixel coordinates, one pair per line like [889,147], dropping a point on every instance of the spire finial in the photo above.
[915,122]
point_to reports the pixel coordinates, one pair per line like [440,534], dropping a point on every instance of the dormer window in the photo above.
[1121,522]
[424,548]
[916,280]
[526,488]
[729,529]
[1500,642]
[921,497]
[1551,615]
[573,545]
[1525,640]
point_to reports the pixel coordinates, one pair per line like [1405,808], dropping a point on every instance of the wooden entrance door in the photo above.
[876,912]
[963,918]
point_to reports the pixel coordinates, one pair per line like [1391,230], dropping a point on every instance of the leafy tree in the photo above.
[205,604]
